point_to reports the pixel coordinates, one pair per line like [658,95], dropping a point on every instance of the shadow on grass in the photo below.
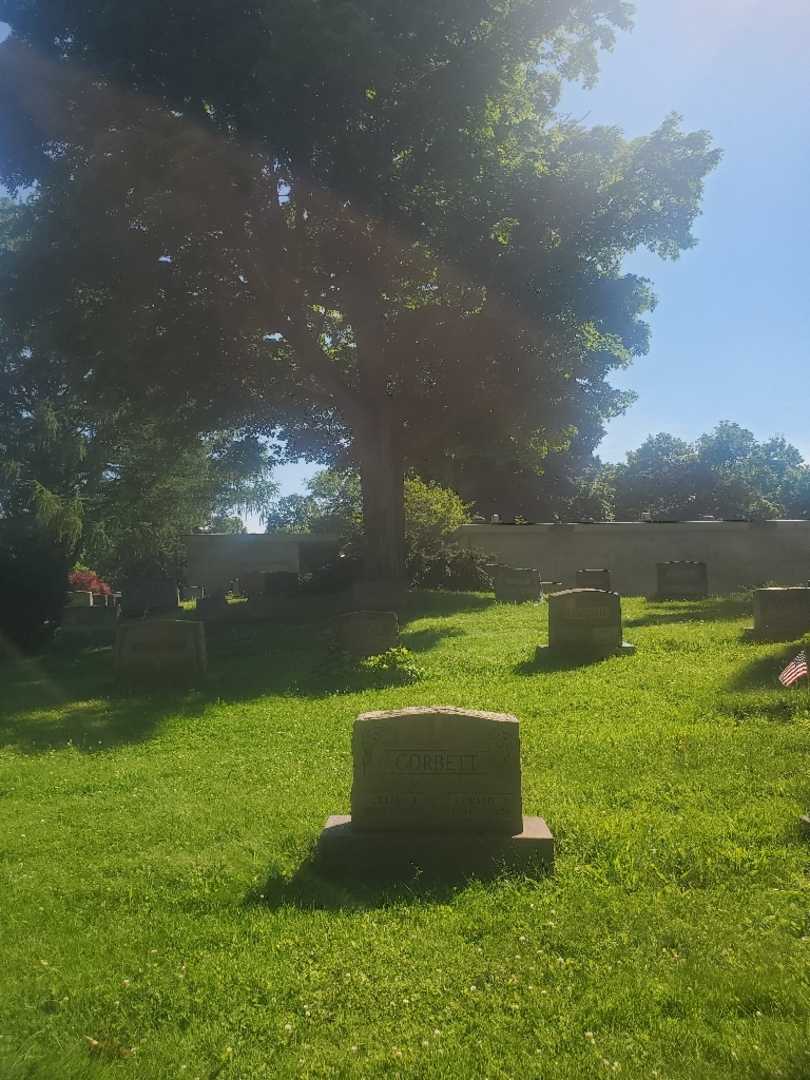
[726,609]
[546,662]
[763,673]
[422,640]
[68,695]
[315,888]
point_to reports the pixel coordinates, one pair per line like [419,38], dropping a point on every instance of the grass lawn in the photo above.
[159,918]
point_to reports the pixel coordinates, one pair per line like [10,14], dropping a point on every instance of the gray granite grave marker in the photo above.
[586,622]
[516,585]
[436,785]
[366,633]
[160,648]
[593,579]
[780,614]
[682,579]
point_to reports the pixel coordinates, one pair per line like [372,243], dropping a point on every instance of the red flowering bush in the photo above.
[84,580]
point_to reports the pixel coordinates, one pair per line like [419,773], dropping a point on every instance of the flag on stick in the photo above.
[796,669]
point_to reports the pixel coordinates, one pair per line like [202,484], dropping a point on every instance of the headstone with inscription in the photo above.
[366,633]
[159,649]
[780,614]
[436,786]
[682,579]
[585,622]
[516,585]
[593,579]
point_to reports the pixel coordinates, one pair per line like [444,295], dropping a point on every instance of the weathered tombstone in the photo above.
[380,594]
[593,579]
[79,598]
[439,787]
[682,580]
[585,622]
[366,633]
[780,614]
[144,595]
[516,585]
[160,648]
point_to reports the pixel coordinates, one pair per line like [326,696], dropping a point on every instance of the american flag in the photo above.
[796,669]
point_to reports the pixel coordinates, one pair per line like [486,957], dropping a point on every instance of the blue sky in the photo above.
[731,334]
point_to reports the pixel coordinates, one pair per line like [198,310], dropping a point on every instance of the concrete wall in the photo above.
[738,554]
[215,559]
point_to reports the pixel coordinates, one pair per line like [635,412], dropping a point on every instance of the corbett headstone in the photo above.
[366,633]
[159,649]
[780,614]
[593,579]
[436,785]
[682,580]
[517,585]
[585,622]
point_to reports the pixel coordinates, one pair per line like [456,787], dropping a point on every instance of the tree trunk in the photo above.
[382,475]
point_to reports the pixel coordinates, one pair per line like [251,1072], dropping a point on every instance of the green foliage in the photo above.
[386,263]
[726,473]
[193,928]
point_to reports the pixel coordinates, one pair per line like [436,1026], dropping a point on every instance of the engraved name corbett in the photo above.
[424,762]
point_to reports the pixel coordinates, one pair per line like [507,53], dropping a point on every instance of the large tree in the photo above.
[358,225]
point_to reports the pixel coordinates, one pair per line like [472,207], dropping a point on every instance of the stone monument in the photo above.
[682,580]
[160,648]
[780,614]
[584,622]
[593,579]
[366,633]
[436,787]
[516,585]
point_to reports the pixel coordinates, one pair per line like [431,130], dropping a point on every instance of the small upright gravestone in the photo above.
[160,649]
[585,622]
[436,786]
[593,579]
[516,585]
[780,614]
[682,580]
[366,633]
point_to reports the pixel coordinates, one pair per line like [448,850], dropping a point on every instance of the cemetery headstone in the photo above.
[516,585]
[682,579]
[79,598]
[585,622]
[436,786]
[160,649]
[366,633]
[780,614]
[593,579]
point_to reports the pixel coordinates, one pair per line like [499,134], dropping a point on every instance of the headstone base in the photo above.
[543,651]
[342,847]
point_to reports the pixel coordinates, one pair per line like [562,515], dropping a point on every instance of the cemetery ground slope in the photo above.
[159,919]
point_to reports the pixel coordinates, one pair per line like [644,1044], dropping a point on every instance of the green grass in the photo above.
[156,897]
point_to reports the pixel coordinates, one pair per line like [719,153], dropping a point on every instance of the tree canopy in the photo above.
[358,226]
